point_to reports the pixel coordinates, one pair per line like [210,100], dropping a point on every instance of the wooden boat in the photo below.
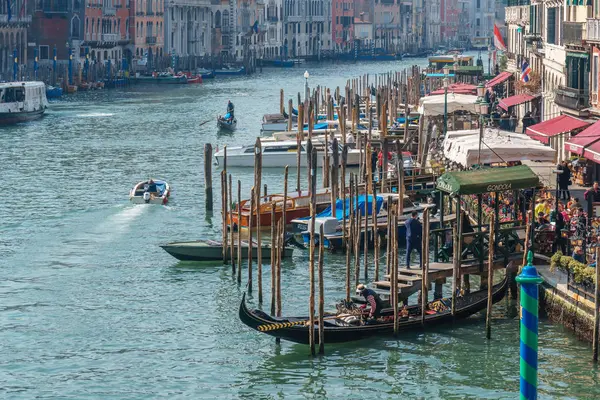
[338,330]
[22,101]
[210,250]
[205,74]
[225,123]
[298,205]
[71,89]
[195,79]
[84,86]
[279,154]
[146,192]
[53,92]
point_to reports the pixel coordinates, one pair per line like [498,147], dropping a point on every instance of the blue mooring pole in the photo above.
[54,66]
[15,65]
[35,63]
[529,281]
[70,66]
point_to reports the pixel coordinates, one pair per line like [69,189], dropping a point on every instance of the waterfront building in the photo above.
[342,18]
[386,23]
[482,16]
[449,17]
[223,31]
[188,28]
[148,29]
[106,31]
[13,35]
[307,28]
[433,24]
[272,42]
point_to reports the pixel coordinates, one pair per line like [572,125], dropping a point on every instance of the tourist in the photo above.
[559,240]
[593,194]
[543,208]
[350,139]
[372,299]
[541,220]
[414,230]
[230,109]
[578,254]
[574,204]
[564,180]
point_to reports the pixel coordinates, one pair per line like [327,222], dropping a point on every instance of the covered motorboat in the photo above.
[22,101]
[152,191]
[344,327]
[211,250]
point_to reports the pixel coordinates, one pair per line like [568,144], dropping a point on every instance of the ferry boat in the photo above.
[279,154]
[22,101]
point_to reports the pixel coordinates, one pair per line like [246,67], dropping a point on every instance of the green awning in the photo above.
[487,180]
[576,54]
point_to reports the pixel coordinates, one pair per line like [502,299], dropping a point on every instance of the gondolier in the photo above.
[372,299]
[230,109]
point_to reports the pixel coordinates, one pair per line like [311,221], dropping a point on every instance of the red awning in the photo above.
[498,79]
[515,100]
[555,126]
[458,88]
[578,144]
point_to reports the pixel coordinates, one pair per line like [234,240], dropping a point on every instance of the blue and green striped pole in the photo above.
[529,281]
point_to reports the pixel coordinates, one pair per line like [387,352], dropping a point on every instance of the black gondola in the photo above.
[338,331]
[227,124]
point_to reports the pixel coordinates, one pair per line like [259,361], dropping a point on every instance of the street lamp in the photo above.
[483,108]
[455,66]
[489,60]
[446,72]
[306,92]
[557,172]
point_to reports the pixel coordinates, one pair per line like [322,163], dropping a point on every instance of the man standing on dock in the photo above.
[414,230]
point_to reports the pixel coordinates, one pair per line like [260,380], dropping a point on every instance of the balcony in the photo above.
[573,33]
[110,37]
[573,99]
[150,39]
[592,33]
[26,19]
[109,10]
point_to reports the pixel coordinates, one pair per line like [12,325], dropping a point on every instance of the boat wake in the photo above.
[95,115]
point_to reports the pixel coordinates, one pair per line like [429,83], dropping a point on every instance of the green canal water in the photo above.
[91,307]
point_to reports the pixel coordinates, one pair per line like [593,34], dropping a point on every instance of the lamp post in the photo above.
[446,72]
[483,110]
[306,91]
[489,59]
[455,67]
[557,171]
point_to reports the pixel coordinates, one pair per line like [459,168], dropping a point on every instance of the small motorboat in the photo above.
[53,92]
[152,191]
[205,73]
[84,86]
[211,250]
[229,71]
[226,122]
[71,89]
[195,79]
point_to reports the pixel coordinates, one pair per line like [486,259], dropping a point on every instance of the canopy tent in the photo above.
[432,106]
[497,146]
[584,139]
[498,79]
[515,100]
[555,126]
[487,180]
[458,88]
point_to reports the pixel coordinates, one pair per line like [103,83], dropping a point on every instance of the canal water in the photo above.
[91,307]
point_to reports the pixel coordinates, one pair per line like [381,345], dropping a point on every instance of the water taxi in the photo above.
[22,101]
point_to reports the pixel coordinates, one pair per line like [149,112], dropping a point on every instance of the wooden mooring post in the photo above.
[231,239]
[425,265]
[311,262]
[321,294]
[208,189]
[239,234]
[596,311]
[490,280]
[224,214]
[273,258]
[250,246]
[257,185]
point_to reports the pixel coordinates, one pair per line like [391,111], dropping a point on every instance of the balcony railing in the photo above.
[150,39]
[109,10]
[573,99]
[573,33]
[26,19]
[110,37]
[592,32]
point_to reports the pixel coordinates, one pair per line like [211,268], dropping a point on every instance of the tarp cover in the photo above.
[432,106]
[487,180]
[359,203]
[498,146]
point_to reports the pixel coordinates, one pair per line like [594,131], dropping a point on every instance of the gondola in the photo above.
[338,330]
[226,123]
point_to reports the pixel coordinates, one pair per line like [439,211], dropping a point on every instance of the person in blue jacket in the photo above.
[414,231]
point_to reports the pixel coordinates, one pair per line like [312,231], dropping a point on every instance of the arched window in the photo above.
[225,19]
[218,19]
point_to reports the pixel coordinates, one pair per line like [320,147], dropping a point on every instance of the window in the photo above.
[595,74]
[478,4]
[551,26]
[44,52]
[478,22]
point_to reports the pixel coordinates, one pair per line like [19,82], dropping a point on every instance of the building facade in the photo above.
[188,26]
[307,28]
[13,36]
[342,17]
[386,24]
[148,30]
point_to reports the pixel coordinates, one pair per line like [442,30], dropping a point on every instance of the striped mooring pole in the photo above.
[529,281]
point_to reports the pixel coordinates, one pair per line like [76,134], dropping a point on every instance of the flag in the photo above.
[8,10]
[525,71]
[255,26]
[498,41]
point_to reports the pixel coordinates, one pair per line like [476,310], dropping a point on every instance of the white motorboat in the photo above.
[152,191]
[279,154]
[275,122]
[22,101]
